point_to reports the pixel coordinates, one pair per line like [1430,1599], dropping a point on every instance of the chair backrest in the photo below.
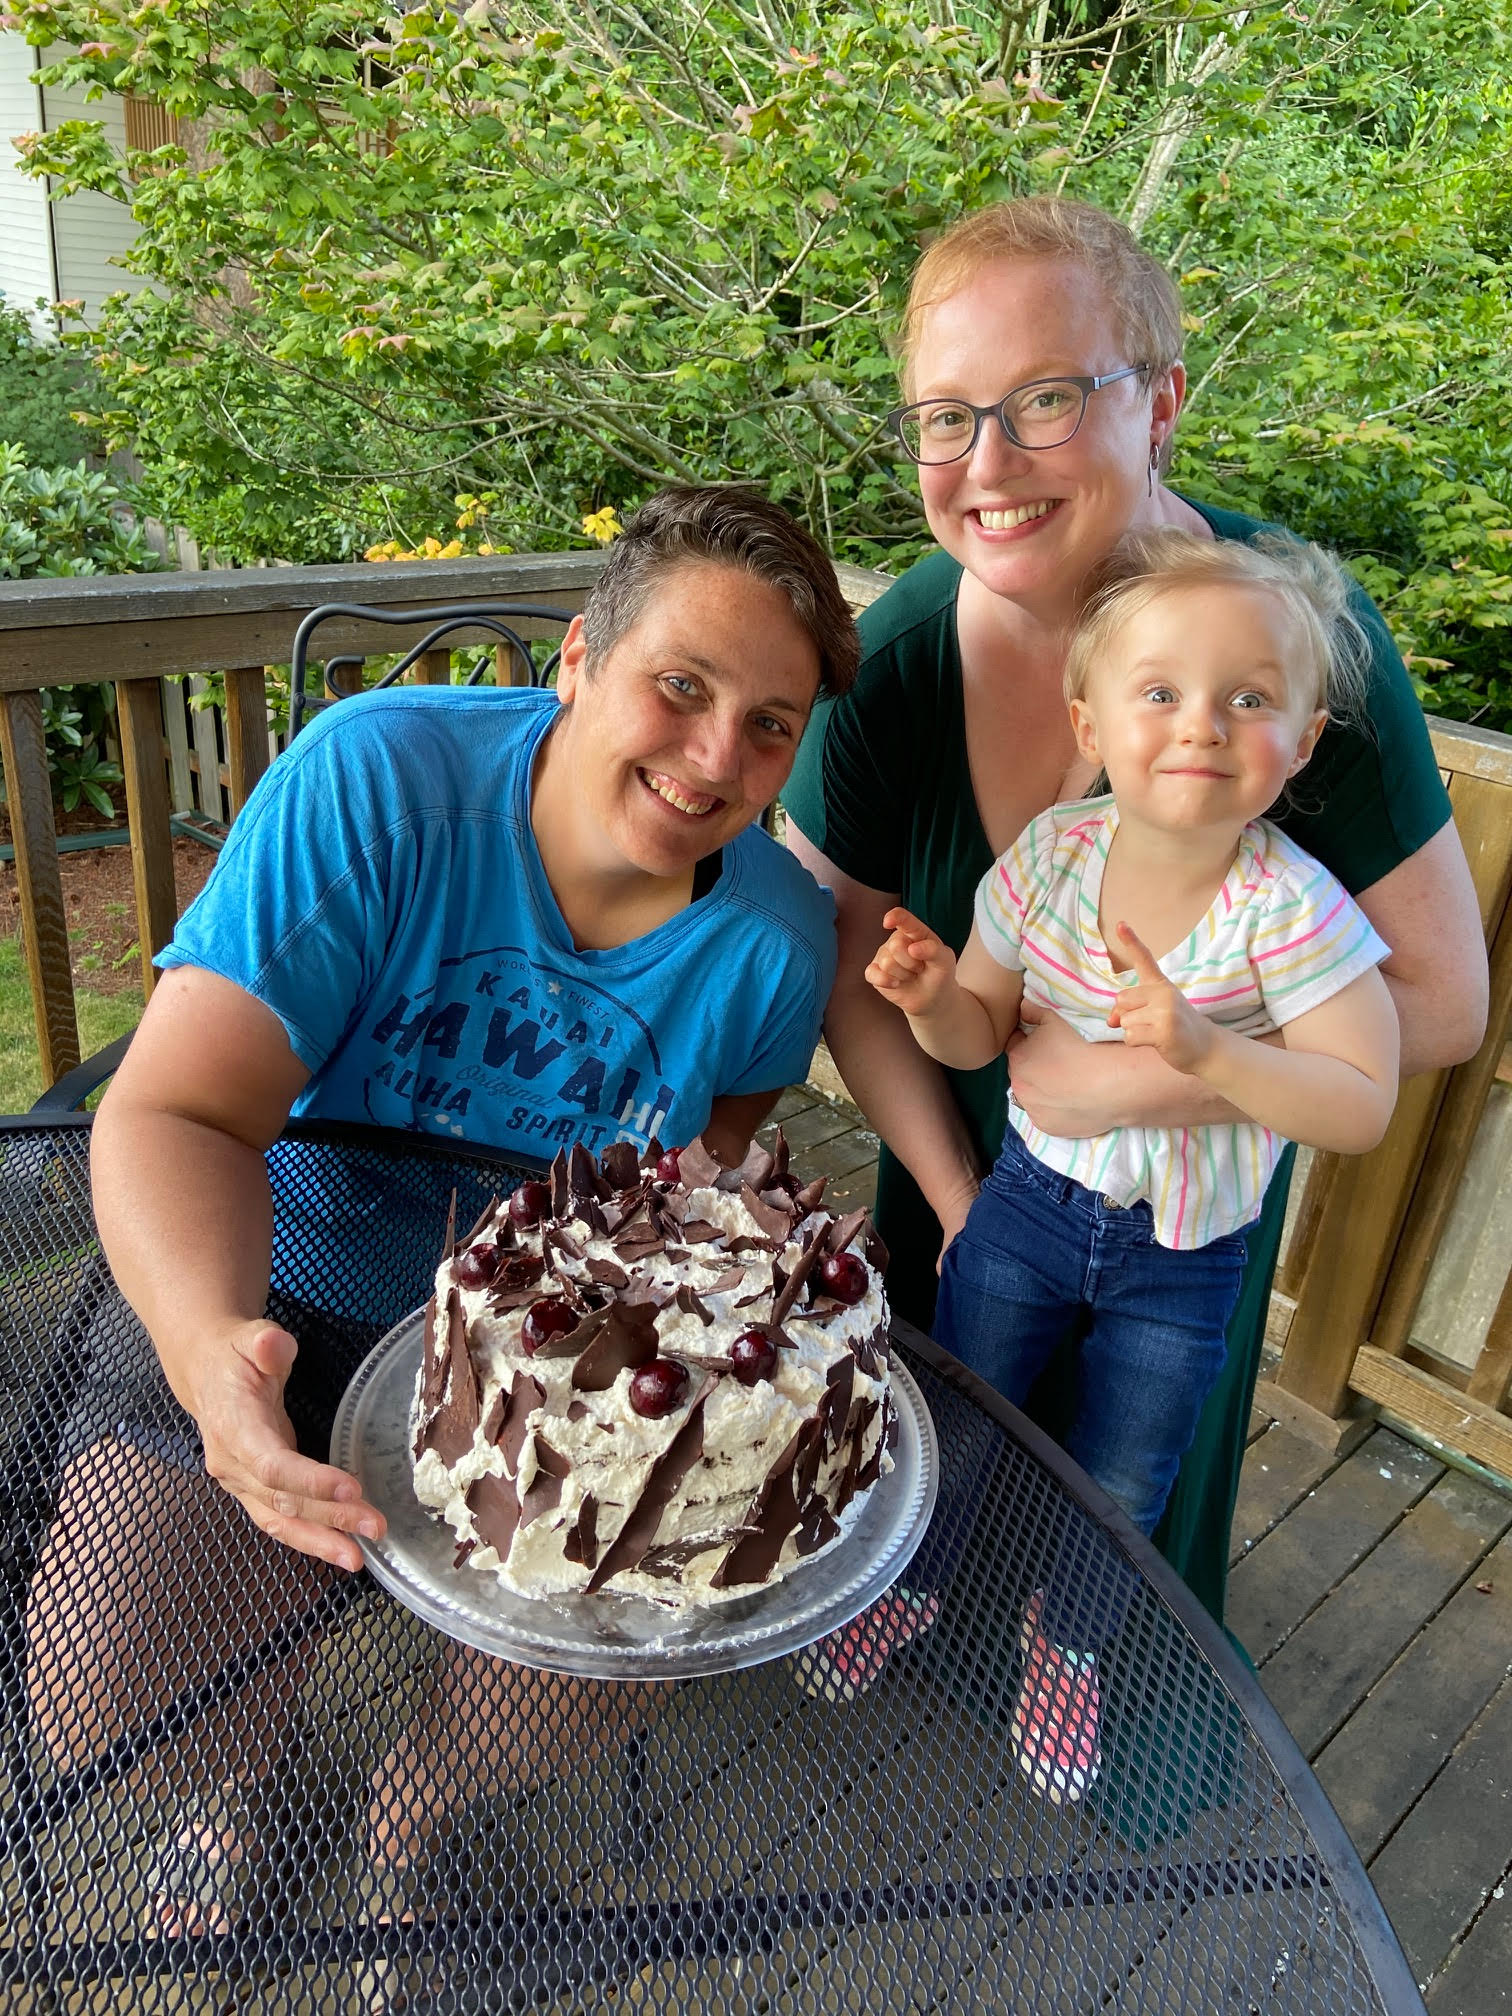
[496,617]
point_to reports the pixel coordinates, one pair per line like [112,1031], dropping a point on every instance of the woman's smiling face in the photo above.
[1029,524]
[688,728]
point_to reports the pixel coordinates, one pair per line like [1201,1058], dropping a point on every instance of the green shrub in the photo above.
[41,387]
[61,522]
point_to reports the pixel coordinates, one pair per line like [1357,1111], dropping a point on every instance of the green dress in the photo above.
[882,788]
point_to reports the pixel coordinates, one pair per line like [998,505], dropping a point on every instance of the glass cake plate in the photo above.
[609,1636]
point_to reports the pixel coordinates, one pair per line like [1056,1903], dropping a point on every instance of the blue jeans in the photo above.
[1040,1260]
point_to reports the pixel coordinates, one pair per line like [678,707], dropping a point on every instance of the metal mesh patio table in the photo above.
[734,1842]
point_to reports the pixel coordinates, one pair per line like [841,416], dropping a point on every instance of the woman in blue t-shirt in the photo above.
[407,890]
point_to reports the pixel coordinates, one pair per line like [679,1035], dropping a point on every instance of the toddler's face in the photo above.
[1195,712]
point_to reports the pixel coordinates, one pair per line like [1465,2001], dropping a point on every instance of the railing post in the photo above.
[246,732]
[44,927]
[433,669]
[140,712]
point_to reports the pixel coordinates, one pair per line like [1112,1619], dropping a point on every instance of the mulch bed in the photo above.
[100,901]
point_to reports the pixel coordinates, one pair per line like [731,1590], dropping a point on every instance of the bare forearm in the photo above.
[1438,1028]
[902,1093]
[186,1220]
[1320,1101]
[957,1032]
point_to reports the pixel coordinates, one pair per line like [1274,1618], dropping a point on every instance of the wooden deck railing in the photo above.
[1367,1230]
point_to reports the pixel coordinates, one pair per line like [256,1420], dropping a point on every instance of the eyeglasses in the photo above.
[1045,413]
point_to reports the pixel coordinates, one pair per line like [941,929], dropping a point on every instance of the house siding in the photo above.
[26,268]
[88,232]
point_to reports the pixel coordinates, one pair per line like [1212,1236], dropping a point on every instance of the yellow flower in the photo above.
[604,526]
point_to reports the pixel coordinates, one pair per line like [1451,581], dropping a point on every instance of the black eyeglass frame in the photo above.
[1085,385]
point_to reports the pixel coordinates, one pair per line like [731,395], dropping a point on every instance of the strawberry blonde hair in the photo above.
[1146,308]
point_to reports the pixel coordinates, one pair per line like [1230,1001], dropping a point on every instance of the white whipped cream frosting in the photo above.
[611,1449]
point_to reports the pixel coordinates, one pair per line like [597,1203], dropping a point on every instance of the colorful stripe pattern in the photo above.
[1280,938]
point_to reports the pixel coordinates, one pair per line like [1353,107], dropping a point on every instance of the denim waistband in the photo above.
[1028,1168]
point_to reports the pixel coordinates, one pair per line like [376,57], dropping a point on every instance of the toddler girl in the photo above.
[1170,914]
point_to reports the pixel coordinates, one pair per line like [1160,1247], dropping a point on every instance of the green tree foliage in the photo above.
[41,386]
[549,257]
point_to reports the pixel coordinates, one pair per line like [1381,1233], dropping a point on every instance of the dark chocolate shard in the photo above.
[817,1528]
[697,1169]
[626,1339]
[576,1411]
[806,1464]
[805,1264]
[855,1428]
[495,1512]
[450,1434]
[774,1222]
[559,1237]
[449,1239]
[621,1165]
[582,1174]
[671,1207]
[518,1273]
[782,1199]
[698,1231]
[607,1274]
[845,1229]
[871,1469]
[433,1376]
[732,1277]
[653,1155]
[525,1395]
[871,1352]
[667,1472]
[560,1194]
[464,1548]
[840,1379]
[574,1341]
[493,1420]
[810,1196]
[488,1211]
[689,1303]
[591,1211]
[545,1492]
[875,1249]
[750,1242]
[779,1153]
[769,1522]
[758,1167]
[581,1544]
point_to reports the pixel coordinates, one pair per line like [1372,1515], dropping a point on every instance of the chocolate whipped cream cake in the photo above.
[662,1377]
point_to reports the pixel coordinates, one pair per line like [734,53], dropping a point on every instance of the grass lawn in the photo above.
[102,1017]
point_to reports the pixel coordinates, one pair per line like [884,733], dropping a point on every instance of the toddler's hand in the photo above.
[1154,1014]
[913,968]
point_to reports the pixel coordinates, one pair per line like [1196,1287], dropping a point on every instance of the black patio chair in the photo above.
[496,617]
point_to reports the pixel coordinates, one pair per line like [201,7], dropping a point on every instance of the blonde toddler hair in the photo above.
[1333,650]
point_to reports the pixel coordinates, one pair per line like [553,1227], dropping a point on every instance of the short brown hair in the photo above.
[1312,584]
[1142,293]
[732,528]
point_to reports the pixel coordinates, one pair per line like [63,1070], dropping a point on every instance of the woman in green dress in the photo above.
[956,735]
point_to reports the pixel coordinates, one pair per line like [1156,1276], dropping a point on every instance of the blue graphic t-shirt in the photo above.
[383,894]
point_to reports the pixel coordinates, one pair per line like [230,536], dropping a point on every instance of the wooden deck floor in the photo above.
[1375,1596]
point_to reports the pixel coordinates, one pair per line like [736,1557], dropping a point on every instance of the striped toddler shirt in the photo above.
[1281,937]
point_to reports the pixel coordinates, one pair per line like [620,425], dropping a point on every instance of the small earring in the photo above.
[1154,465]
